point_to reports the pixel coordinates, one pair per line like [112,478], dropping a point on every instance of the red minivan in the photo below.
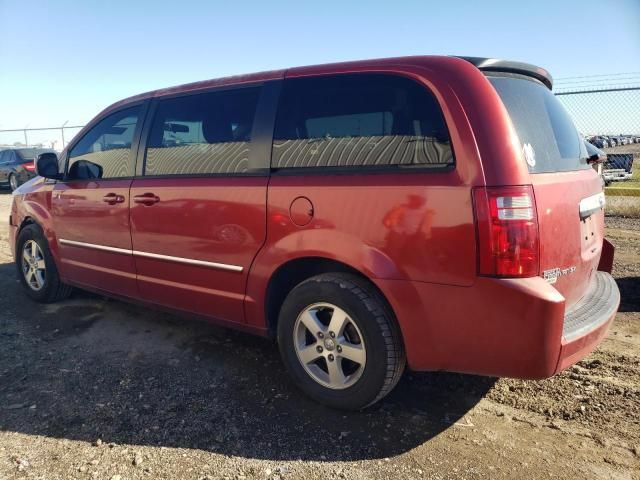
[433,211]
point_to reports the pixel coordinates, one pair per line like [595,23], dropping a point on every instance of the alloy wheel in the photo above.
[33,265]
[329,346]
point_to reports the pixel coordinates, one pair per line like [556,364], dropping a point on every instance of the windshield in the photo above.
[549,139]
[31,153]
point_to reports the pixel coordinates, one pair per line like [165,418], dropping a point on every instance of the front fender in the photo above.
[33,205]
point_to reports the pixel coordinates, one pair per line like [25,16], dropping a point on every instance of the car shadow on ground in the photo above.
[629,294]
[91,368]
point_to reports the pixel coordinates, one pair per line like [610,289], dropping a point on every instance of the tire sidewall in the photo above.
[14,177]
[370,383]
[34,232]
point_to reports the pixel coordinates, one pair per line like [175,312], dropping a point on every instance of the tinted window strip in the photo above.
[412,134]
[211,150]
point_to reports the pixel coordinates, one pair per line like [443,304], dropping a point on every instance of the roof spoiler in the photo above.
[495,65]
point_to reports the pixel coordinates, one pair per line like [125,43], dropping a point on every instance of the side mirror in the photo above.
[47,166]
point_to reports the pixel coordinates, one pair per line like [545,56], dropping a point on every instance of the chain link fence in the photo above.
[607,111]
[605,104]
[46,137]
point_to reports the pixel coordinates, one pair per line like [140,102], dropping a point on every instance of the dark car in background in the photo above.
[599,142]
[17,166]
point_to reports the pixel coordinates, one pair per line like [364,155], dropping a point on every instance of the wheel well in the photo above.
[290,274]
[25,222]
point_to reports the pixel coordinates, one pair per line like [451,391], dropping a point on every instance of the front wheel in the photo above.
[340,342]
[36,268]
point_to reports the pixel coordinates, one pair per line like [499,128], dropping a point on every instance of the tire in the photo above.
[44,285]
[14,183]
[370,335]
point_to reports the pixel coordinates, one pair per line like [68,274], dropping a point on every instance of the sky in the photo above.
[66,60]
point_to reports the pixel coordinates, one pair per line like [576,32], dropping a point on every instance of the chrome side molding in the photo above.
[93,246]
[138,253]
[188,261]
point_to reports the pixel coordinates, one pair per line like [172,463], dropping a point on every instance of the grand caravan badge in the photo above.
[553,274]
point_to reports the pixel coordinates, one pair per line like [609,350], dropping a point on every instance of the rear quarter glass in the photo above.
[549,140]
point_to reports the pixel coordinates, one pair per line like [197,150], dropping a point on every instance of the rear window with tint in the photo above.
[359,121]
[549,139]
[204,133]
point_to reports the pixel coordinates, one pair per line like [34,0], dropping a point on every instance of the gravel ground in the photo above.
[624,206]
[93,388]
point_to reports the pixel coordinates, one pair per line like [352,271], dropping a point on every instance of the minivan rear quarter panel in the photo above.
[388,226]
[352,209]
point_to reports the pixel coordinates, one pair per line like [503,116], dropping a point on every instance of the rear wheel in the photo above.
[13,182]
[340,342]
[36,268]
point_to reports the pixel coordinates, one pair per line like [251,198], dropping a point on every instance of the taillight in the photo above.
[29,166]
[507,227]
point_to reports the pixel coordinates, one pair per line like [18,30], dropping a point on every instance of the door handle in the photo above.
[112,198]
[147,199]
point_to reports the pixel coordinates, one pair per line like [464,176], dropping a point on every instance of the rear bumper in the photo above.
[500,327]
[587,322]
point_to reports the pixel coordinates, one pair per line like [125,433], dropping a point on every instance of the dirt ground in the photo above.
[99,389]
